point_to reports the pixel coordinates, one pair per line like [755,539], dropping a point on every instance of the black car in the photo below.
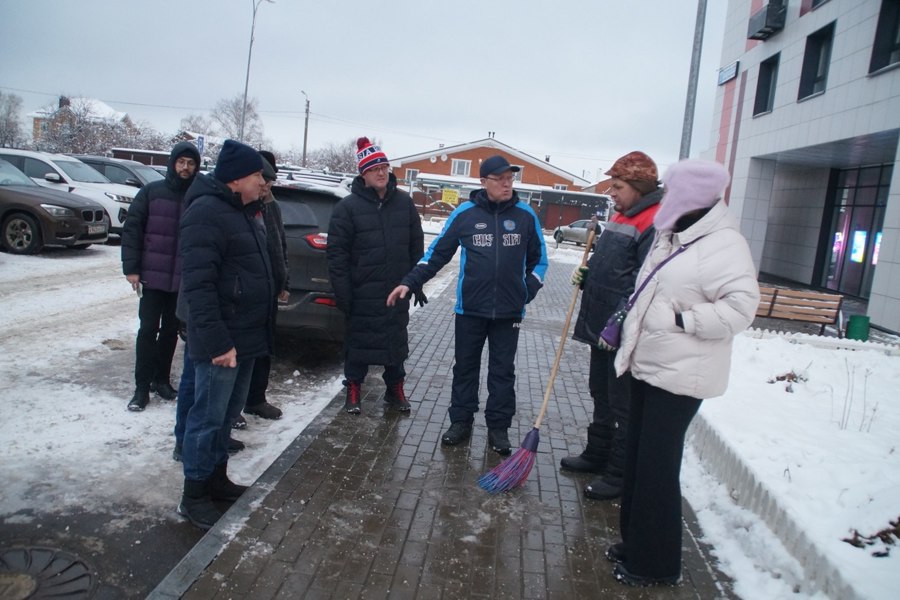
[311,312]
[32,216]
[120,170]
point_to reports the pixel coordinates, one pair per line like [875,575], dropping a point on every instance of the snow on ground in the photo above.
[825,451]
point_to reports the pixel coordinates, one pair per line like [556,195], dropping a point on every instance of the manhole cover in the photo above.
[36,573]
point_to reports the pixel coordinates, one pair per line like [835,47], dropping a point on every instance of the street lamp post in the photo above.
[305,128]
[255,4]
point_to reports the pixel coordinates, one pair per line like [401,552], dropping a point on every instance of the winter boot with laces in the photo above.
[222,488]
[395,397]
[458,432]
[196,504]
[354,396]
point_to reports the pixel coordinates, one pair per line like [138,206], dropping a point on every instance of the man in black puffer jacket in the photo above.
[374,239]
[228,289]
[151,265]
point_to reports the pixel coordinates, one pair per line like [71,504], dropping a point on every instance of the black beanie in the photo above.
[237,160]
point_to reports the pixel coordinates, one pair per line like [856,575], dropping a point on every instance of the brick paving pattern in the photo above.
[374,507]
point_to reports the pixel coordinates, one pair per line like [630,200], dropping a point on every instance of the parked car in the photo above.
[120,170]
[576,231]
[306,208]
[60,172]
[32,216]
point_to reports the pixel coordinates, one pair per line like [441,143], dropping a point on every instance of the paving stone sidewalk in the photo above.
[372,506]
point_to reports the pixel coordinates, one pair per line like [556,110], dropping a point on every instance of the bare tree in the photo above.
[340,158]
[11,134]
[227,117]
[198,124]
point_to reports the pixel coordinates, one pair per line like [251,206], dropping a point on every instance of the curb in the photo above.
[717,455]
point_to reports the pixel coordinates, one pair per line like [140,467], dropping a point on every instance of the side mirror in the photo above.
[133,182]
[53,178]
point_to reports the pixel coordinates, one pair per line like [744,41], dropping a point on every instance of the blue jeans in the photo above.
[185,396]
[219,396]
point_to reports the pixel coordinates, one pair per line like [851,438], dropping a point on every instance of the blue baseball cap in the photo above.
[496,165]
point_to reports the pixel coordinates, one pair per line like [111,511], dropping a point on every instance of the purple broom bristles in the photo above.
[513,471]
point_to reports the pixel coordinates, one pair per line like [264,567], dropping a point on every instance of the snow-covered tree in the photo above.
[11,134]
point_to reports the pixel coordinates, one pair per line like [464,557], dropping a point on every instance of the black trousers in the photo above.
[502,336]
[156,338]
[354,371]
[612,396]
[259,379]
[650,517]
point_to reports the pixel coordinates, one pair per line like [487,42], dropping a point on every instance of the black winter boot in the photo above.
[197,505]
[395,397]
[222,488]
[140,399]
[164,390]
[354,397]
[604,487]
[594,457]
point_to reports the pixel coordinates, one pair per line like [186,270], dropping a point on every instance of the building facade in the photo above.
[807,121]
[447,175]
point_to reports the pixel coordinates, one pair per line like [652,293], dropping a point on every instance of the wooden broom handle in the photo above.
[565,333]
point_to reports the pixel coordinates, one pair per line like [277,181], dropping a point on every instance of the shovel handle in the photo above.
[565,333]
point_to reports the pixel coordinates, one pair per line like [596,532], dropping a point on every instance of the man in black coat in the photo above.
[228,289]
[151,265]
[374,238]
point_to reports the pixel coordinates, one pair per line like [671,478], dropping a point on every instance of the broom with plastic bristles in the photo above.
[513,471]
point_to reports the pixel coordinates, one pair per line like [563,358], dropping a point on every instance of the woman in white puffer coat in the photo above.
[676,342]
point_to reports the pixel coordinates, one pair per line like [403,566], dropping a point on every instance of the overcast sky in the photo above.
[583,81]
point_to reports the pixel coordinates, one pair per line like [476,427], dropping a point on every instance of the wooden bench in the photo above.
[799,305]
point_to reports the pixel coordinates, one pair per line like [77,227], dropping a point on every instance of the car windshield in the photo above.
[148,173]
[79,171]
[9,175]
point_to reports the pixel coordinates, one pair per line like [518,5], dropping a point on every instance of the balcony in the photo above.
[768,21]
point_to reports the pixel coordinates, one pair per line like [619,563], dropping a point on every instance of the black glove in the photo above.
[419,298]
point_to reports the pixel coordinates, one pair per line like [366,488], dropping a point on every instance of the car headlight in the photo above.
[58,211]
[119,198]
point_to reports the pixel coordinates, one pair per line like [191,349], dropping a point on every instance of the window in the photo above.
[36,168]
[517,175]
[765,86]
[886,49]
[814,75]
[461,167]
[411,175]
[115,174]
[560,186]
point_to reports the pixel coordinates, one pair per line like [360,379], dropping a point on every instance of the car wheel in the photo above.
[558,236]
[21,234]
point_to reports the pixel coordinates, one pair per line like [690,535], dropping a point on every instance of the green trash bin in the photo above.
[858,328]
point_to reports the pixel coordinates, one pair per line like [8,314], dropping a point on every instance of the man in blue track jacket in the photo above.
[502,267]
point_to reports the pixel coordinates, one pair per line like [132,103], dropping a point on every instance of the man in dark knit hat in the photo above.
[374,238]
[151,265]
[608,281]
[228,289]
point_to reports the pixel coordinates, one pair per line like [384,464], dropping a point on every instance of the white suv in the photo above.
[60,172]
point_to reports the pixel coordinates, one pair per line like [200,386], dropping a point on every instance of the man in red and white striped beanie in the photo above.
[368,155]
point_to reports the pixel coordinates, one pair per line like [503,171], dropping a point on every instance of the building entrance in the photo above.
[854,215]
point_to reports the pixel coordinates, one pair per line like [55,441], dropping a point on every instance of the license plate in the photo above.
[92,229]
